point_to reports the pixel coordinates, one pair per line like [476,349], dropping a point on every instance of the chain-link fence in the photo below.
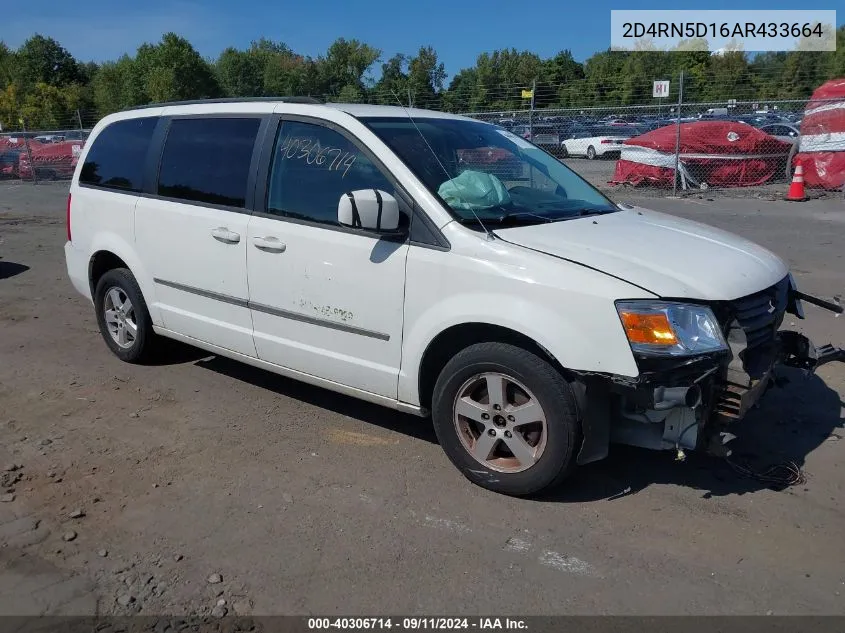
[739,132]
[37,155]
[619,137]
[709,145]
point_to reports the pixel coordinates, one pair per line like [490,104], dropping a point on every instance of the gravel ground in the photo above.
[201,486]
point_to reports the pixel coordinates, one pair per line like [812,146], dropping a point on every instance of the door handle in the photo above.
[222,234]
[271,244]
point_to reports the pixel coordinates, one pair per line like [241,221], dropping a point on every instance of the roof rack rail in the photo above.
[227,100]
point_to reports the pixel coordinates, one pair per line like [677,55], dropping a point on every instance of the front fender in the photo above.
[589,338]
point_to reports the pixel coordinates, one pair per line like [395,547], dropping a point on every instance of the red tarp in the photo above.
[10,147]
[716,153]
[822,145]
[58,159]
[10,142]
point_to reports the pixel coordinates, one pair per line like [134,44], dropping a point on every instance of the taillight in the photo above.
[67,221]
[605,141]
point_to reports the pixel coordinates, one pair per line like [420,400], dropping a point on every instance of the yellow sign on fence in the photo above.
[527,94]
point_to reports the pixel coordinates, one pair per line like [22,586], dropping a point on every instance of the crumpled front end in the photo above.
[690,403]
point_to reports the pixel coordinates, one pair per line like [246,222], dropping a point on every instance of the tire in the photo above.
[552,444]
[591,152]
[113,289]
[564,153]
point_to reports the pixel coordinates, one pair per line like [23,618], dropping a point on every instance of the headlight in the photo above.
[670,329]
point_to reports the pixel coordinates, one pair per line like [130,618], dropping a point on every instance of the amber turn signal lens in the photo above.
[650,328]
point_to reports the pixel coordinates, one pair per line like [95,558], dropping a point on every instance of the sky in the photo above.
[458,30]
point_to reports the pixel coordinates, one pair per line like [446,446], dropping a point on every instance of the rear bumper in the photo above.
[77,270]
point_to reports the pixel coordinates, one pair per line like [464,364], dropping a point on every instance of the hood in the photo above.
[668,256]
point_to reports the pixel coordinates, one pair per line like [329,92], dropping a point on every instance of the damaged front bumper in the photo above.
[689,403]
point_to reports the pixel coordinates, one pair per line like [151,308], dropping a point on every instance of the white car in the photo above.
[49,138]
[597,142]
[787,133]
[347,246]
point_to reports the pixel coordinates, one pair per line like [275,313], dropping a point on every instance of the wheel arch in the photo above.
[100,263]
[454,338]
[110,251]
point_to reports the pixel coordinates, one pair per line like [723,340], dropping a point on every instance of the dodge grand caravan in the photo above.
[376,251]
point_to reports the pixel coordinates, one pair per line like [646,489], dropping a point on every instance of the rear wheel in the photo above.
[506,419]
[123,317]
[591,152]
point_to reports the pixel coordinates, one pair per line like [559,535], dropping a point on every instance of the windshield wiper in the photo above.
[526,217]
[580,213]
[510,218]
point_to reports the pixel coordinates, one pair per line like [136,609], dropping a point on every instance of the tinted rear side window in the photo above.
[208,160]
[116,159]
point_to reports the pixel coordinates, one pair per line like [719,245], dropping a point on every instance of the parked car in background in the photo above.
[784,131]
[544,135]
[788,133]
[75,135]
[492,160]
[9,158]
[598,141]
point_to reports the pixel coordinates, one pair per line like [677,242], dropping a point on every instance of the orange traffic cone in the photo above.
[796,189]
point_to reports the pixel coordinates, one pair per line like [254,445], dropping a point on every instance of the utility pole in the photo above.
[678,134]
[531,111]
[28,152]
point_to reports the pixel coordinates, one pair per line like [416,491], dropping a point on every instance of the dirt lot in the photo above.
[305,502]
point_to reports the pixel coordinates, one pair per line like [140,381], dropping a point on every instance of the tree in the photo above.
[425,78]
[173,70]
[45,107]
[43,60]
[835,66]
[393,84]
[561,80]
[463,94]
[7,63]
[241,73]
[290,75]
[350,94]
[118,85]
[345,64]
[10,107]
[602,72]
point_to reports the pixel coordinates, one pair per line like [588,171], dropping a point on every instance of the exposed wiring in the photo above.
[785,474]
[678,450]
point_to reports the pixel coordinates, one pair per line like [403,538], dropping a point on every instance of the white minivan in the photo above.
[431,263]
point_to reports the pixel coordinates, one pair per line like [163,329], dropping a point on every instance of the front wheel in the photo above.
[506,419]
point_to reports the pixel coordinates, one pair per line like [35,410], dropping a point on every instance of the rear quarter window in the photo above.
[118,154]
[208,160]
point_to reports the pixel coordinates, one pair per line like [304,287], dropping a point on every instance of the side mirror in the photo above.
[369,209]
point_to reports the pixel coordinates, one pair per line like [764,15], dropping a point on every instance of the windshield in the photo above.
[484,173]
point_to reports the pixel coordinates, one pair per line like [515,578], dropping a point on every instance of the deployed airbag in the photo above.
[474,190]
